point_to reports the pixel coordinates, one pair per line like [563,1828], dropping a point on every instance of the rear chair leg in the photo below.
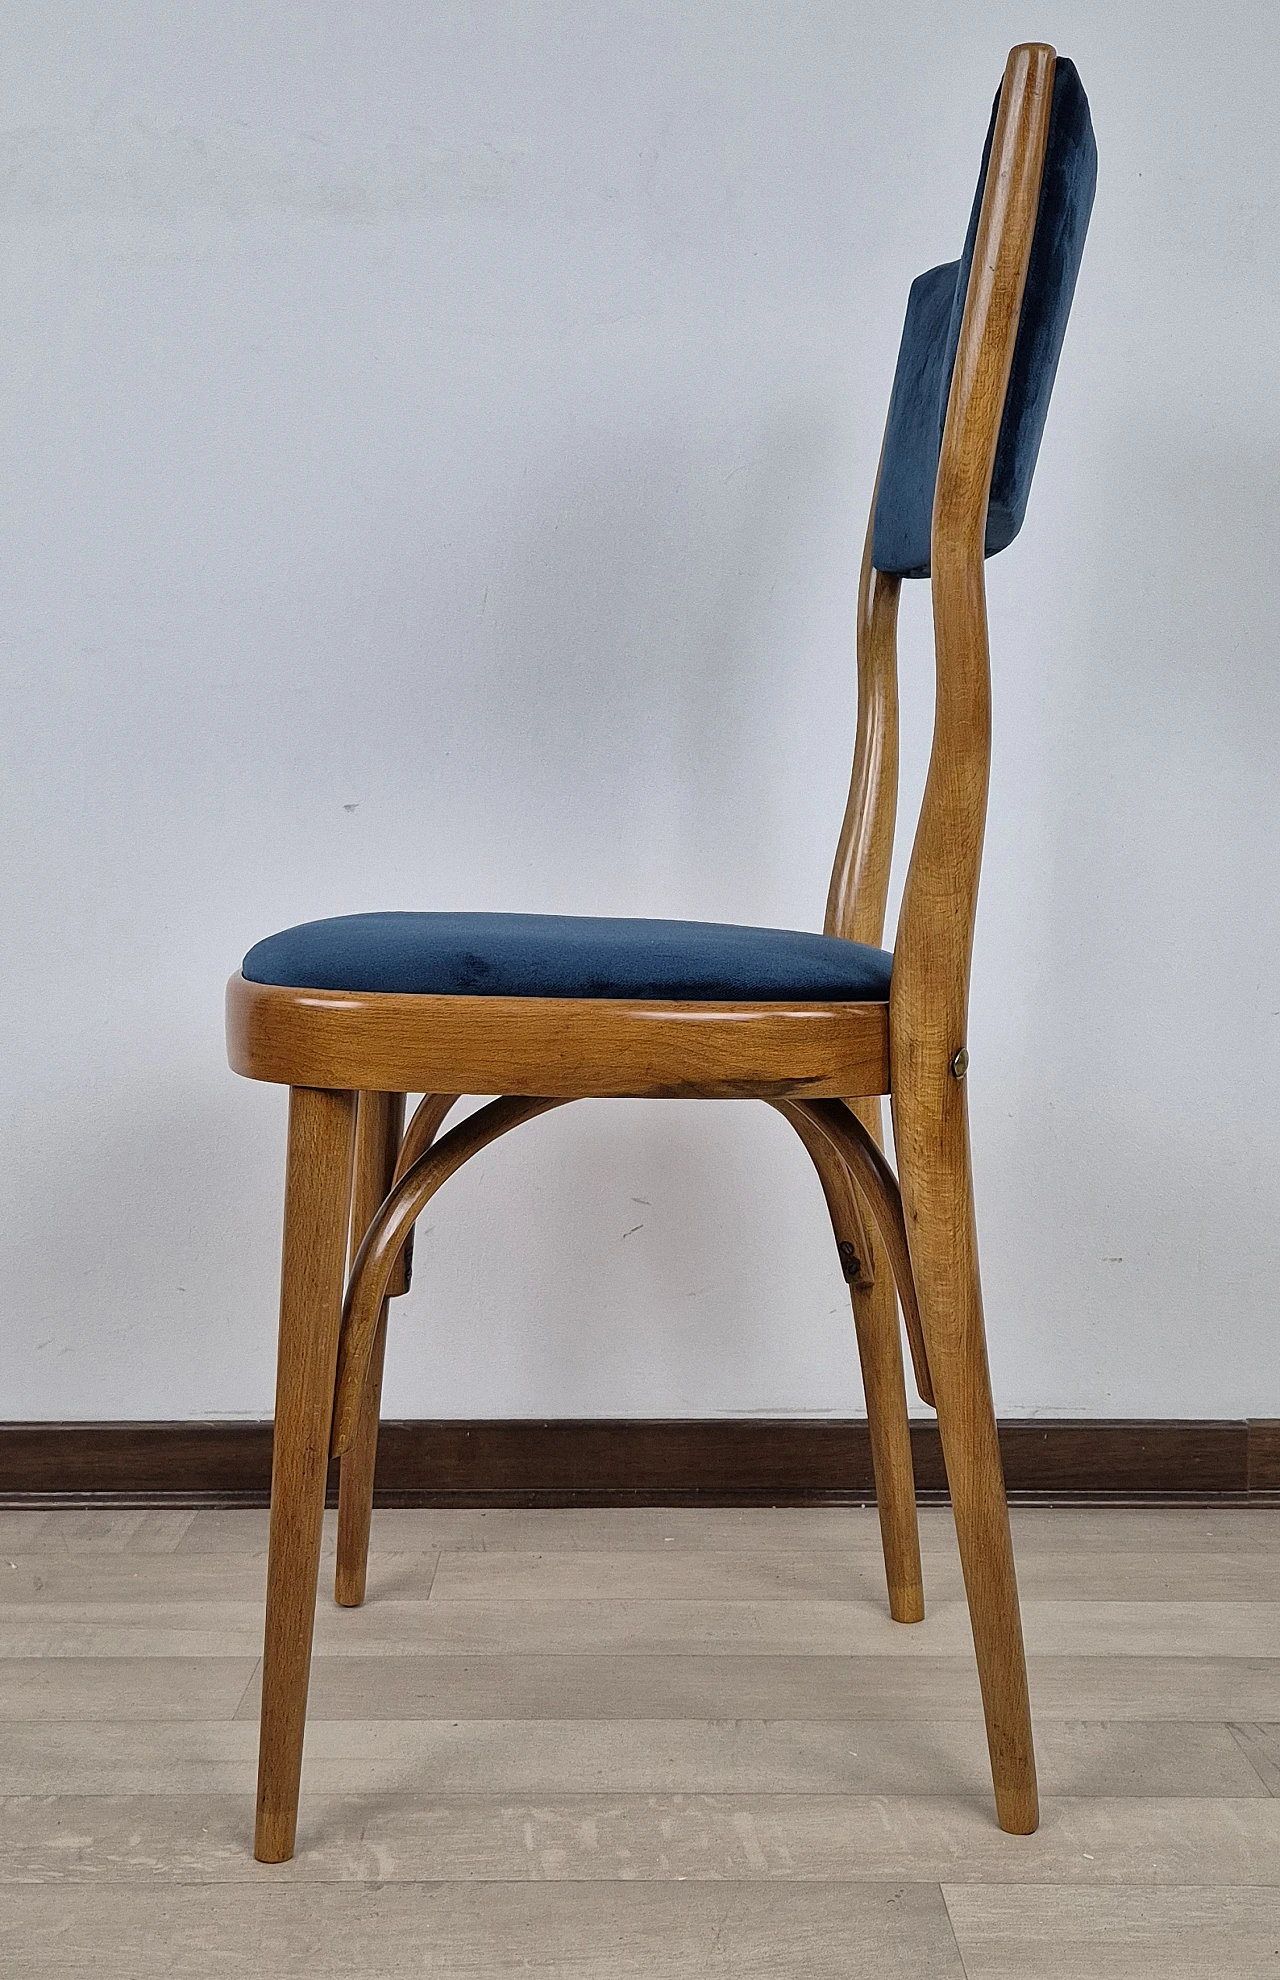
[875,1317]
[379,1129]
[875,1320]
[937,1192]
[316,1210]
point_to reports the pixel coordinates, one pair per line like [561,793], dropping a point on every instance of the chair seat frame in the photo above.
[357,1179]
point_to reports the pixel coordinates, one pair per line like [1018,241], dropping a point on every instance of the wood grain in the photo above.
[869,1276]
[929,996]
[538,1052]
[384,1241]
[572,1047]
[316,1221]
[379,1130]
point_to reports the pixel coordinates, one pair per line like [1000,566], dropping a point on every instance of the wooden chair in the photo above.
[355,1013]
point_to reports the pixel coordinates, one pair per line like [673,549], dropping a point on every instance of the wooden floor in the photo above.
[647,1743]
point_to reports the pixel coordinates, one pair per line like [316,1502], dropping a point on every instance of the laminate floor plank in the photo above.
[88,1688]
[147,1839]
[386,1628]
[94,1530]
[673,1686]
[577,1931]
[1205,1932]
[639,1529]
[563,1575]
[1077,1759]
[1261,1743]
[834,1576]
[1074,1530]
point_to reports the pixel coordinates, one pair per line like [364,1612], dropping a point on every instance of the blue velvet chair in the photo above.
[355,1013]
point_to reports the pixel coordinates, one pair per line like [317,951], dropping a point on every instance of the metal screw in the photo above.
[960,1064]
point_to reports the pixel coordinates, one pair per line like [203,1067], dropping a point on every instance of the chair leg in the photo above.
[379,1127]
[875,1320]
[869,1273]
[316,1213]
[937,1192]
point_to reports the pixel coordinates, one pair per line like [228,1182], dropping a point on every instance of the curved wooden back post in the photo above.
[929,1000]
[859,891]
[858,895]
[929,997]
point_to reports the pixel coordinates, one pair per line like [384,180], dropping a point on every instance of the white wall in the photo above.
[439,440]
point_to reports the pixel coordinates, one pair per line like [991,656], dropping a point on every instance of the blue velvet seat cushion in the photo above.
[560,955]
[931,336]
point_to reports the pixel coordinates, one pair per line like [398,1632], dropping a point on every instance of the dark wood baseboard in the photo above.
[628,1462]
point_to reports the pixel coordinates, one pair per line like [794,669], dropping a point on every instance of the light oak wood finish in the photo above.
[316,1219]
[875,1314]
[384,1150]
[857,900]
[379,1130]
[828,1063]
[930,992]
[572,1048]
[386,1237]
[428,1119]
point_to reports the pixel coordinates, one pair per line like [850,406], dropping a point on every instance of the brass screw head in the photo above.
[960,1064]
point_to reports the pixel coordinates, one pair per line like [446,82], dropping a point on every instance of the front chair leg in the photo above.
[379,1127]
[937,1191]
[316,1212]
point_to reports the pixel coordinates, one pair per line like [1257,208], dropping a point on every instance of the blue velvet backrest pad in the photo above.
[931,335]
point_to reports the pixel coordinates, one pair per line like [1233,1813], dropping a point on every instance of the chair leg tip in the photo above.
[269,1848]
[1019,1813]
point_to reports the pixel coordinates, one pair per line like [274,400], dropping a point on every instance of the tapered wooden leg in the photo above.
[875,1317]
[937,1193]
[379,1127]
[316,1213]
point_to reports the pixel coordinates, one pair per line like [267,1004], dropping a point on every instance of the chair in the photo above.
[354,1013]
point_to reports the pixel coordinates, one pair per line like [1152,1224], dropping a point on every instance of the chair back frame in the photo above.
[934,943]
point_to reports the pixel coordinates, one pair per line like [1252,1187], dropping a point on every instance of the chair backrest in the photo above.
[979,352]
[931,337]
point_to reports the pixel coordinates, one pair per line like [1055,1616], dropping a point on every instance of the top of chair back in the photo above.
[931,335]
[978,357]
